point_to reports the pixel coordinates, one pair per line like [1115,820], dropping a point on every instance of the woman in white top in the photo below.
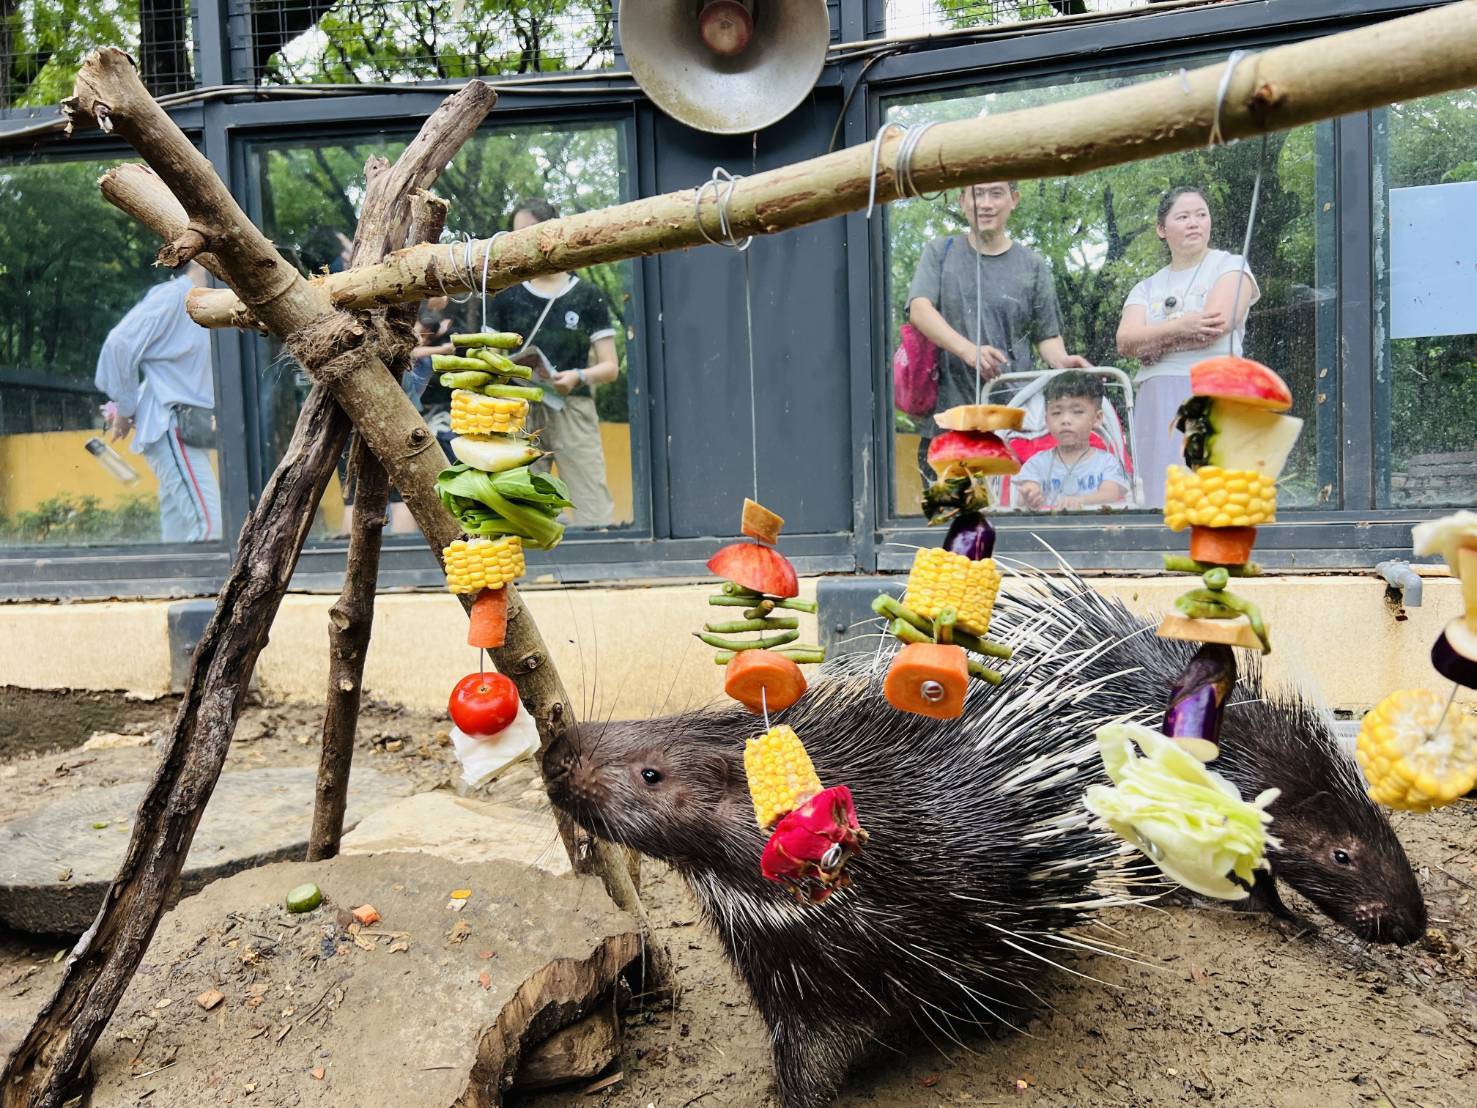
[1179,316]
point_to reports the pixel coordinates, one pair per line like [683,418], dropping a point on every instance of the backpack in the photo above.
[915,377]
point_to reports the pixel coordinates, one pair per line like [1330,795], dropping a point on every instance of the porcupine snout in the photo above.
[575,780]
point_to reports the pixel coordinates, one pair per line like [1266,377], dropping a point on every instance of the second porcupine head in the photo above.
[1336,845]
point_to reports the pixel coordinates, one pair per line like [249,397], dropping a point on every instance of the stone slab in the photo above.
[315,1016]
[462,829]
[57,863]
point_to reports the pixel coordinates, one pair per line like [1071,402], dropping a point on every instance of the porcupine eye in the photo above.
[651,776]
[1342,858]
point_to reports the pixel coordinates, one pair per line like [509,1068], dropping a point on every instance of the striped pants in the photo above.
[189,497]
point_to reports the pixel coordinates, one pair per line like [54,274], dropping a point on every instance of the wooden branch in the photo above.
[47,1064]
[351,619]
[1400,59]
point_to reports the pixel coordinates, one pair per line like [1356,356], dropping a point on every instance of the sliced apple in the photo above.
[955,453]
[1234,378]
[981,417]
[756,567]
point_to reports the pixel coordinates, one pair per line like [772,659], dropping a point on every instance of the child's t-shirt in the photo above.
[1084,476]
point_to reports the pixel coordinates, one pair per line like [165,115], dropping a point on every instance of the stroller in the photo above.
[1117,438]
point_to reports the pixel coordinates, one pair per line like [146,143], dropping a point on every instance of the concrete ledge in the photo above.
[629,652]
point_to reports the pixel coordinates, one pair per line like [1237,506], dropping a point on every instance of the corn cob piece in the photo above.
[1214,497]
[1406,769]
[940,579]
[473,564]
[474,414]
[781,777]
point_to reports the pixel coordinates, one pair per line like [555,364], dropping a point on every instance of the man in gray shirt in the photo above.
[1016,297]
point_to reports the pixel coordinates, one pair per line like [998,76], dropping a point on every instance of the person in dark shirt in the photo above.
[570,343]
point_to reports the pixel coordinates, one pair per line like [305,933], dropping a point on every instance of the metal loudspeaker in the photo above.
[727,67]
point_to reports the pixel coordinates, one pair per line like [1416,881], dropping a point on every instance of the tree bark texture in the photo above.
[1288,86]
[49,1061]
[351,619]
[384,416]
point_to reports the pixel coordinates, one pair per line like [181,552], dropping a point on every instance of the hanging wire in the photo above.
[1235,57]
[1436,730]
[723,184]
[1218,139]
[902,163]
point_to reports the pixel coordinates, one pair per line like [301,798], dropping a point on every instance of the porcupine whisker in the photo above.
[1063,941]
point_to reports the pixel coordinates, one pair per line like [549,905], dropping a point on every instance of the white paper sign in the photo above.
[1433,260]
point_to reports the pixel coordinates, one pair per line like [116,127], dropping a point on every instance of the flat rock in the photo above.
[57,863]
[462,829]
[428,1007]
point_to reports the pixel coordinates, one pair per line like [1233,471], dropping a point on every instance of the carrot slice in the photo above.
[928,679]
[1222,546]
[489,625]
[761,678]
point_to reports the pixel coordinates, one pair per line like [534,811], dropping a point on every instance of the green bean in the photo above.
[772,623]
[501,364]
[984,672]
[504,340]
[1217,579]
[760,610]
[514,392]
[795,604]
[1178,563]
[943,627]
[466,379]
[442,363]
[763,642]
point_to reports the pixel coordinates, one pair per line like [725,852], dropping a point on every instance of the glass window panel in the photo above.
[1425,191]
[1098,235]
[309,197]
[87,320]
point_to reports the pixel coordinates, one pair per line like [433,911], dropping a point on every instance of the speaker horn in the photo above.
[726,67]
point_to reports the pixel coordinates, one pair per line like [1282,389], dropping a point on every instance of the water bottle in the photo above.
[112,461]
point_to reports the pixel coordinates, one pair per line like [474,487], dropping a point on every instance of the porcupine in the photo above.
[981,862]
[1335,845]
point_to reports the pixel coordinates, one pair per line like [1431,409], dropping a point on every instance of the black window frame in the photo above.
[1356,535]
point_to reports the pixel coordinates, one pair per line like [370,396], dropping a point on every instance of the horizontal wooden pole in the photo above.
[1289,86]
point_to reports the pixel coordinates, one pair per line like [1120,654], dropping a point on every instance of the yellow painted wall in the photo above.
[35,468]
[615,443]
[38,467]
[627,652]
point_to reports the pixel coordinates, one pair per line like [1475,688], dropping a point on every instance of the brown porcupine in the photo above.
[981,857]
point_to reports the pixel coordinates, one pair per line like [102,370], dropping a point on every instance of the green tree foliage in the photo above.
[71,265]
[396,40]
[43,42]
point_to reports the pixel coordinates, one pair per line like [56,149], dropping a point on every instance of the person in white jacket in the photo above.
[155,367]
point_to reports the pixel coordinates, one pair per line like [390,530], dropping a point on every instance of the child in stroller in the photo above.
[1058,471]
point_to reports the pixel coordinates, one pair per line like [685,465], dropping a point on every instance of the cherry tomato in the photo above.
[483,703]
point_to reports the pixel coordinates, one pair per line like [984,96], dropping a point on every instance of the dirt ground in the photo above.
[1216,1007]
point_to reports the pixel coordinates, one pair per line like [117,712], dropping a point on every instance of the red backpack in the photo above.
[915,376]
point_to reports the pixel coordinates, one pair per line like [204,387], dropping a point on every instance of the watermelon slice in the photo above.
[958,452]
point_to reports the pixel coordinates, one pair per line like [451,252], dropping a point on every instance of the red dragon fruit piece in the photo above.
[810,846]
